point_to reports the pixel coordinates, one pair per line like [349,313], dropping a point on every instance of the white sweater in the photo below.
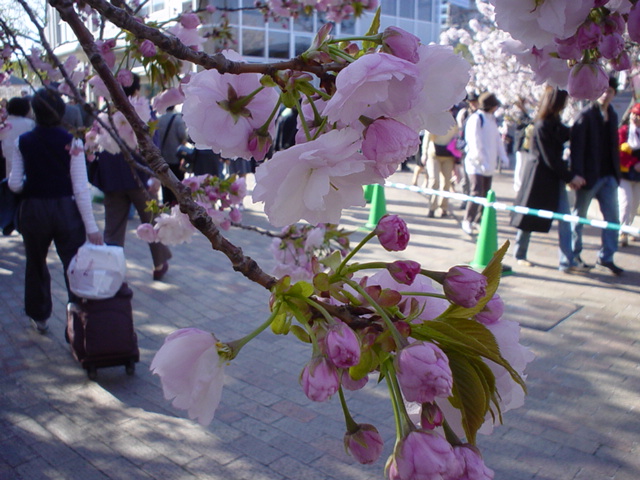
[484,145]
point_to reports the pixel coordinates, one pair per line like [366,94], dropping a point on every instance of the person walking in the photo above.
[17,123]
[484,149]
[471,106]
[440,161]
[544,178]
[172,132]
[595,157]
[629,189]
[49,170]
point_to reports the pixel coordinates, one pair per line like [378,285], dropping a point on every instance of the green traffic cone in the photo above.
[378,206]
[487,243]
[368,193]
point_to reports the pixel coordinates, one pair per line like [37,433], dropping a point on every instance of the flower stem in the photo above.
[352,426]
[233,348]
[350,255]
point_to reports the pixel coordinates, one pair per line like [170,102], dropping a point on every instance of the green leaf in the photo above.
[321,282]
[470,393]
[300,333]
[374,28]
[332,261]
[368,361]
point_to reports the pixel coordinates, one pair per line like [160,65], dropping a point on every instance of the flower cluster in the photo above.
[451,362]
[568,43]
[221,198]
[334,10]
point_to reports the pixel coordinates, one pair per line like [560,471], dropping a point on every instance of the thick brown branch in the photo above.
[151,154]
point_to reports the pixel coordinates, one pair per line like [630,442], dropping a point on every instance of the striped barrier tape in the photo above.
[519,209]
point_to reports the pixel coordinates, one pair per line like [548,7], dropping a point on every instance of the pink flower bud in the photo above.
[342,346]
[351,384]
[567,48]
[633,23]
[611,46]
[190,20]
[404,271]
[365,444]
[147,233]
[587,81]
[392,233]
[235,215]
[588,35]
[319,379]
[464,286]
[423,372]
[147,48]
[125,77]
[492,311]
[400,43]
[389,142]
[623,62]
[473,467]
[431,416]
[423,455]
[259,145]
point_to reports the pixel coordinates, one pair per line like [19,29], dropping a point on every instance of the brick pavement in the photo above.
[579,422]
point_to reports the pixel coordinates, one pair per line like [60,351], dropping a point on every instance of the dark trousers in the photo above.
[479,186]
[167,195]
[43,220]
[116,215]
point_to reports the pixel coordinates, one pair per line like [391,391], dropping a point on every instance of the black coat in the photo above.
[543,174]
[592,141]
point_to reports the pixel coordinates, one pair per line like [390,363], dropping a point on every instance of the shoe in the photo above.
[463,205]
[40,326]
[580,263]
[524,262]
[624,240]
[159,273]
[576,270]
[444,214]
[430,213]
[469,228]
[612,267]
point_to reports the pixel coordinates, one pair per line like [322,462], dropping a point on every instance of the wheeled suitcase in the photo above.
[101,333]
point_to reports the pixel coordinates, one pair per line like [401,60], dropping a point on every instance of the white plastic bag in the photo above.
[97,271]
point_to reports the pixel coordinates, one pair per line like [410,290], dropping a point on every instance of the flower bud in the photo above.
[431,416]
[401,43]
[342,346]
[423,372]
[147,233]
[319,379]
[190,20]
[464,286]
[473,467]
[392,233]
[147,48]
[125,77]
[611,45]
[587,81]
[633,23]
[424,455]
[365,444]
[492,311]
[351,384]
[404,271]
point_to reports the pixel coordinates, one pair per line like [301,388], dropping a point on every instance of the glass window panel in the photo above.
[388,7]
[252,18]
[186,6]
[407,8]
[302,44]
[157,5]
[304,23]
[348,26]
[253,42]
[425,10]
[278,45]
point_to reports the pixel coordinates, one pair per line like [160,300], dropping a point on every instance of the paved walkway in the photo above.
[580,420]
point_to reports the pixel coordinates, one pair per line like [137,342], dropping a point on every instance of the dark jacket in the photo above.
[543,175]
[593,141]
[111,173]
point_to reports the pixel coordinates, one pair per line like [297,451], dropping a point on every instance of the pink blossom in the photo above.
[431,416]
[365,444]
[342,345]
[546,68]
[124,77]
[614,23]
[392,233]
[633,23]
[538,23]
[99,88]
[389,143]
[622,62]
[568,48]
[259,145]
[400,43]
[375,85]
[189,20]
[314,180]
[167,98]
[464,286]
[587,81]
[423,455]
[235,215]
[350,384]
[319,379]
[588,36]
[148,48]
[191,37]
[404,271]
[472,464]
[147,233]
[174,228]
[209,109]
[443,77]
[191,372]
[492,311]
[423,372]
[106,51]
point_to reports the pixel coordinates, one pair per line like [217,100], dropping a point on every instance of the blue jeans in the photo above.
[606,192]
